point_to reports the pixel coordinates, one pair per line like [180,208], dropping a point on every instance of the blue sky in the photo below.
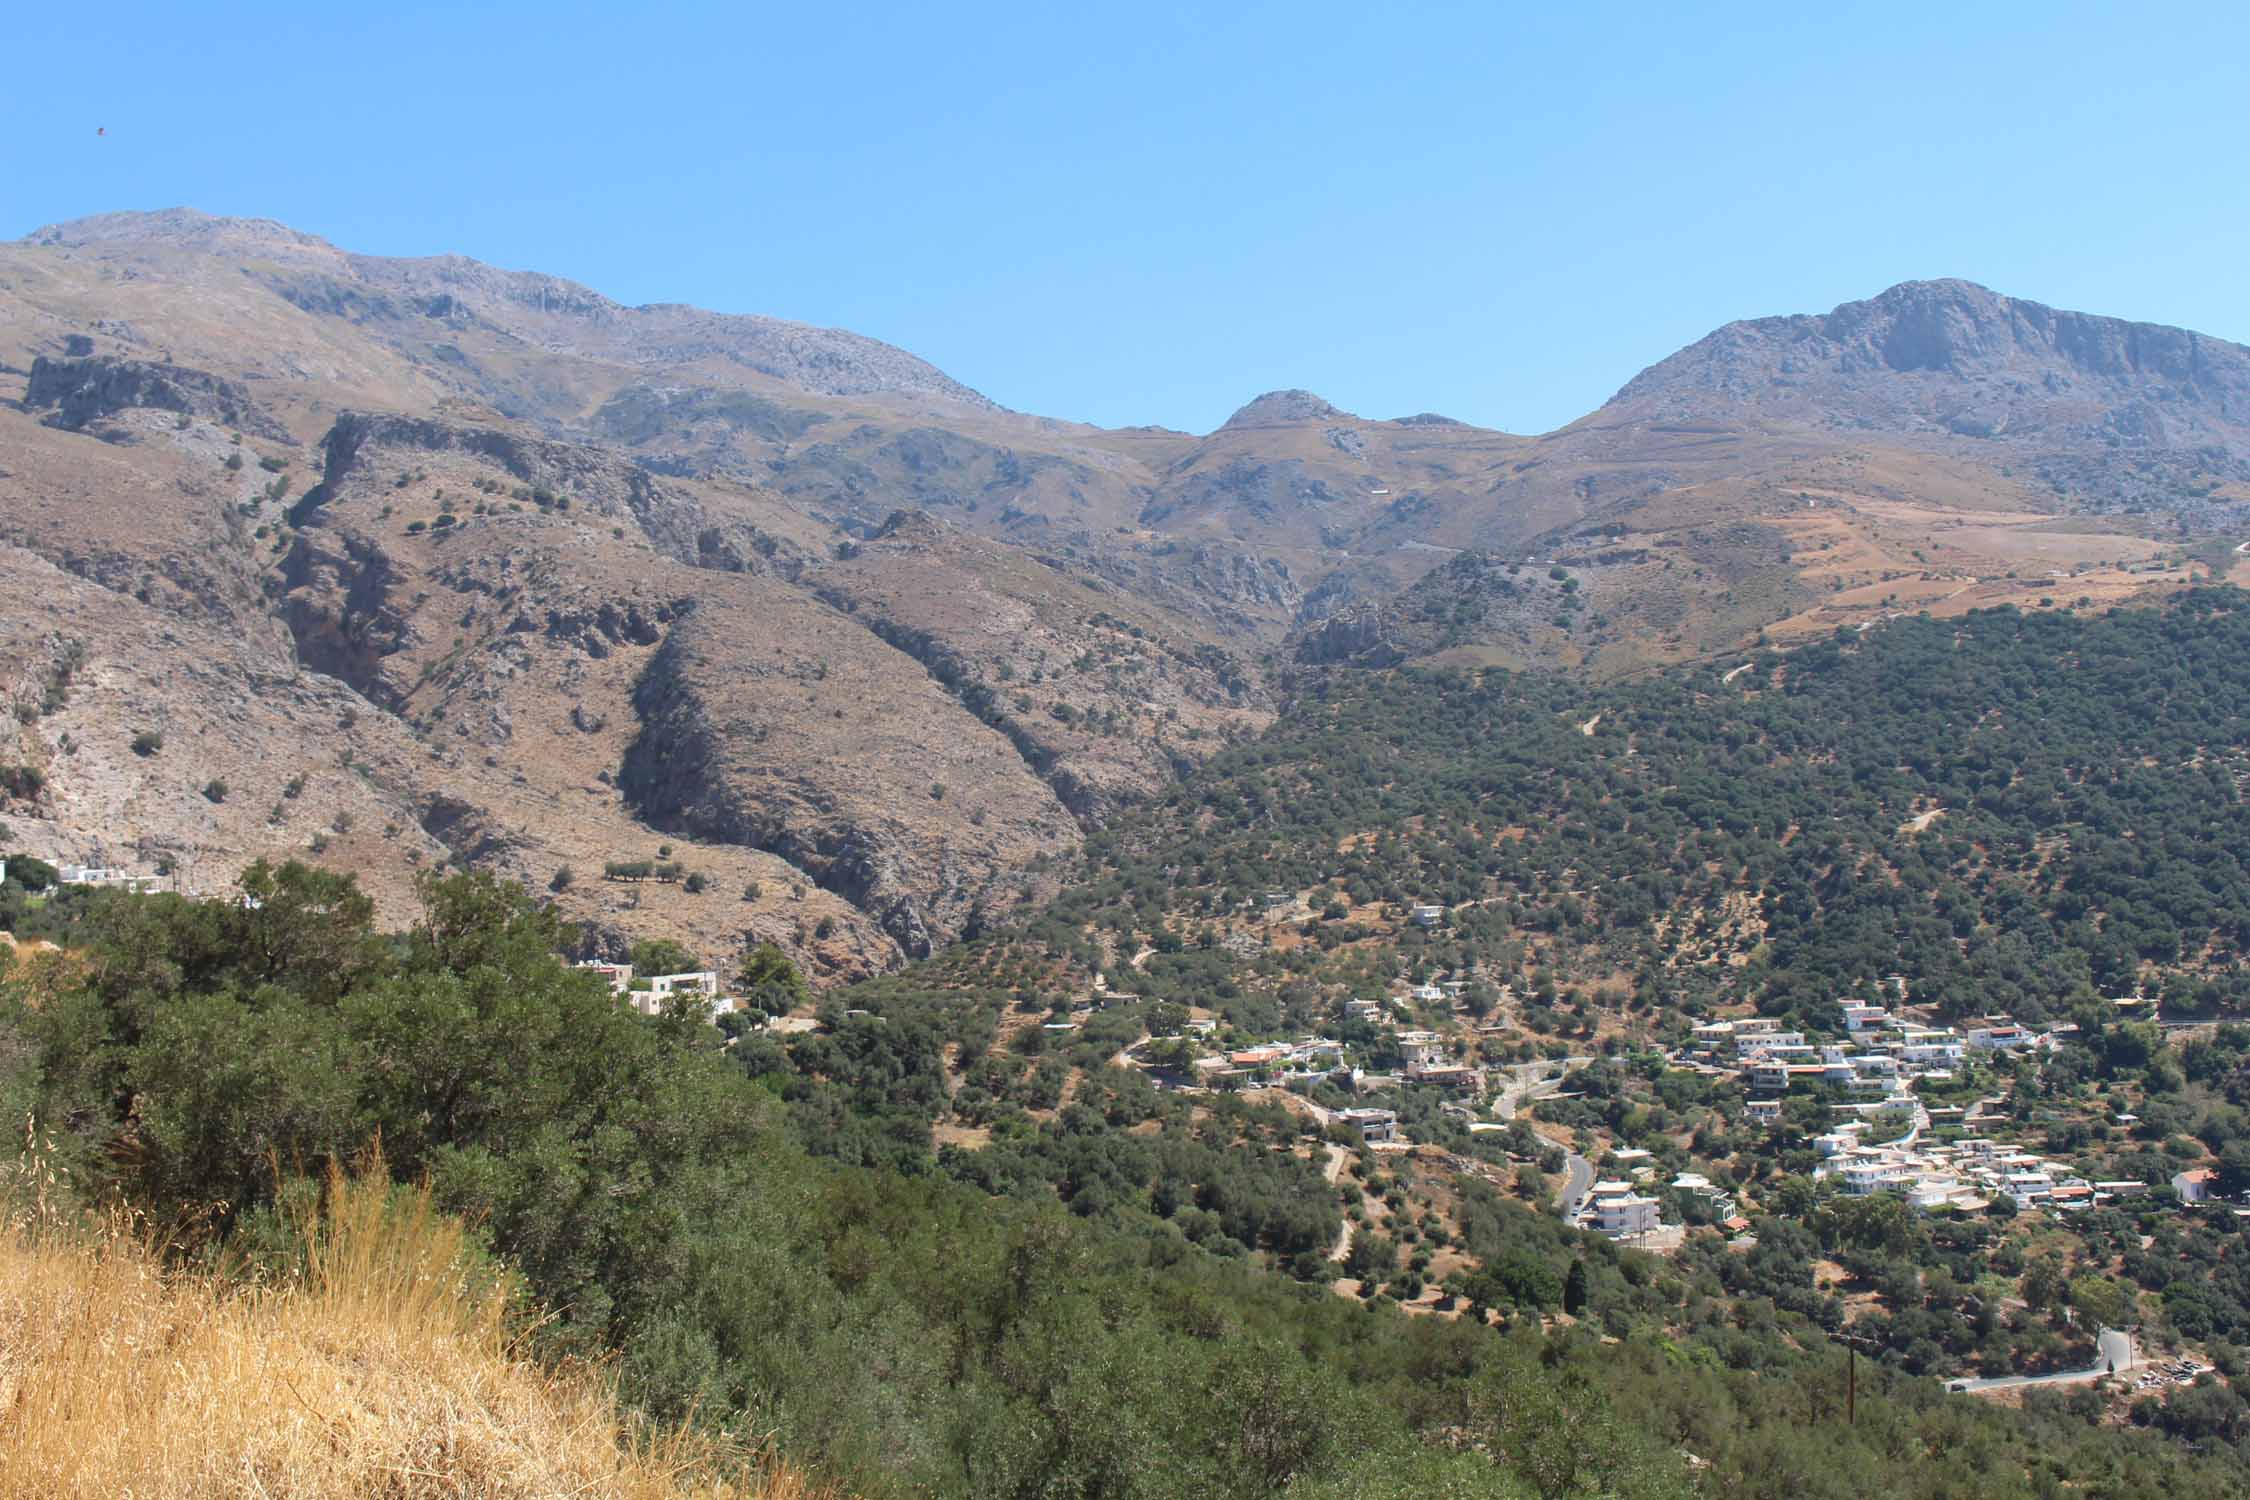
[1152,213]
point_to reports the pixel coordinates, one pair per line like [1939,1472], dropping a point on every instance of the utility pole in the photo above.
[1851,1343]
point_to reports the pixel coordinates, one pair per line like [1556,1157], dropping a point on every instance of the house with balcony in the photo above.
[1878,1172]
[1617,1211]
[1372,1124]
[1454,1078]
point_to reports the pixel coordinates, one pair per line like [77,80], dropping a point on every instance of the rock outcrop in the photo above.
[79,393]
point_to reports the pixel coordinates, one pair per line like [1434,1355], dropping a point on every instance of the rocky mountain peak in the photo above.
[1283,409]
[1956,329]
[186,228]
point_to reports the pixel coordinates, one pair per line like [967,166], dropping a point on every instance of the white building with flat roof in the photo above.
[1877,1172]
[1619,1215]
[662,987]
[1372,1124]
[113,879]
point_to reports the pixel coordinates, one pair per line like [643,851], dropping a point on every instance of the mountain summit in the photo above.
[1956,356]
[1282,409]
[561,316]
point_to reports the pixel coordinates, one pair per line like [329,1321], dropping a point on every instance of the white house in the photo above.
[2195,1187]
[2028,1187]
[1875,1173]
[1930,1051]
[1426,915]
[1944,1192]
[662,987]
[113,879]
[1618,1211]
[2005,1037]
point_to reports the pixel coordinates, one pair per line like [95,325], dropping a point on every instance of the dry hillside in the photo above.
[420,561]
[391,1367]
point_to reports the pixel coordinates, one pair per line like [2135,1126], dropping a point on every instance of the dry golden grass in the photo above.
[388,1369]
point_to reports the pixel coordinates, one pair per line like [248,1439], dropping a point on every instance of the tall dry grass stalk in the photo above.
[386,1369]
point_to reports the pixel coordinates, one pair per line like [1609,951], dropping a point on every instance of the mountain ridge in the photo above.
[612,579]
[1945,325]
[823,361]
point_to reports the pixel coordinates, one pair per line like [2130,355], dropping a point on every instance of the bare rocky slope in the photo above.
[411,562]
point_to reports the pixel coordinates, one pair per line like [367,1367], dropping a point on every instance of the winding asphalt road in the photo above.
[2117,1357]
[1577,1184]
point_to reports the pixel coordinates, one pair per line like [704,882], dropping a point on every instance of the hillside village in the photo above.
[1436,1083]
[1882,1138]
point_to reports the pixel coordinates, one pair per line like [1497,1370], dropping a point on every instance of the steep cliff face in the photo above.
[1360,635]
[79,393]
[824,745]
[170,743]
[343,610]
